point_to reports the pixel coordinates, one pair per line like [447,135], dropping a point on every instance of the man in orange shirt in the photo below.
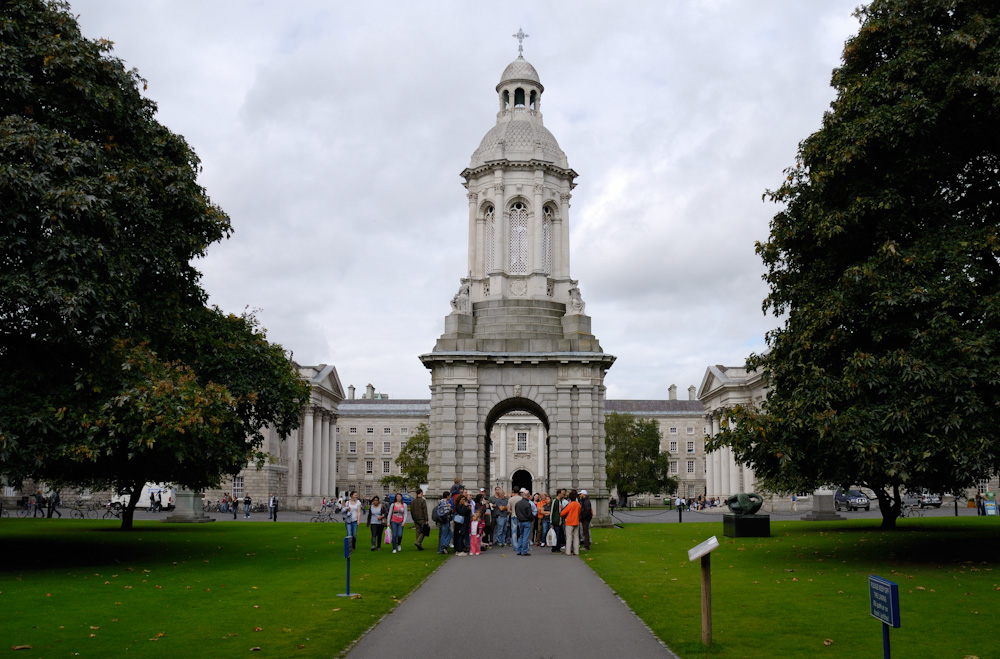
[571,513]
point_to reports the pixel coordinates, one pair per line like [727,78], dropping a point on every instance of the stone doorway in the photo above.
[521,478]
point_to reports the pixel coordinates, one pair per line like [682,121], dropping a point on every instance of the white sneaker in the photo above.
[393,551]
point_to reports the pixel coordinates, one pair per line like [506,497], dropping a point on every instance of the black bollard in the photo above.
[680,513]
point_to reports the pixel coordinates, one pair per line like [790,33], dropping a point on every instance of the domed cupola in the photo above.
[519,134]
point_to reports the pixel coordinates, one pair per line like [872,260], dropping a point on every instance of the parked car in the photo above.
[922,499]
[852,500]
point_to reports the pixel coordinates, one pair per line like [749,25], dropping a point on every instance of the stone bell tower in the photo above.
[518,337]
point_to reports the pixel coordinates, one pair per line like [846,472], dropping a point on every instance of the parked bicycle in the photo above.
[114,510]
[911,511]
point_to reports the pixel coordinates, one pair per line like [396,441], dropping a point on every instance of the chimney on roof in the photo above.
[673,392]
[692,393]
[370,391]
[350,392]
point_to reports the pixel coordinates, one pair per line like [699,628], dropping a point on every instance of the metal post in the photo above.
[706,599]
[885,640]
[680,513]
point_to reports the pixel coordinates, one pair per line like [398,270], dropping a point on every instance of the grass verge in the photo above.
[807,585]
[205,590]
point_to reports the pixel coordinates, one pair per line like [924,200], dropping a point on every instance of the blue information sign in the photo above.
[991,507]
[884,596]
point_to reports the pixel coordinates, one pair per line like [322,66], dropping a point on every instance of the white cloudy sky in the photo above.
[333,134]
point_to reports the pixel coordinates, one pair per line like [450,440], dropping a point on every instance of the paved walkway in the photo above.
[548,605]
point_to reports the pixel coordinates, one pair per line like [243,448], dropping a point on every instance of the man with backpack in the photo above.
[441,516]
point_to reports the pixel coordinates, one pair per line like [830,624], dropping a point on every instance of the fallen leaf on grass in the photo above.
[255,649]
[355,596]
[828,641]
[921,588]
[92,627]
[337,609]
[286,629]
[256,606]
[258,629]
[299,646]
[93,635]
[20,647]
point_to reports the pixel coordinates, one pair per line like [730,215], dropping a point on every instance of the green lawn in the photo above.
[69,586]
[785,595]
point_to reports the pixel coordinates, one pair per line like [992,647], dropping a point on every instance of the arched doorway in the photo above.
[517,445]
[521,479]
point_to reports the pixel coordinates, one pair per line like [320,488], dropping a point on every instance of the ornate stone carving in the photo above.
[460,302]
[539,188]
[517,391]
[576,304]
[550,288]
[498,188]
[473,197]
[518,287]
[564,197]
[486,288]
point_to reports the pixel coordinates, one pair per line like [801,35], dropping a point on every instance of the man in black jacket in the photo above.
[586,515]
[522,510]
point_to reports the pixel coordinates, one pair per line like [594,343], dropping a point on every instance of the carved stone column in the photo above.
[307,452]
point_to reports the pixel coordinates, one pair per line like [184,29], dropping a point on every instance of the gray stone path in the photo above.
[548,605]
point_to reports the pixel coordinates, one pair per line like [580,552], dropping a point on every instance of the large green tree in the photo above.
[886,370]
[103,323]
[412,461]
[635,463]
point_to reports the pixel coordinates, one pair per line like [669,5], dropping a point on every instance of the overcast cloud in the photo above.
[333,135]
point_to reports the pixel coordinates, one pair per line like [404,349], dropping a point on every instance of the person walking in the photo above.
[236,507]
[246,506]
[418,513]
[397,520]
[352,516]
[980,504]
[53,502]
[524,514]
[443,513]
[586,515]
[572,514]
[272,507]
[376,511]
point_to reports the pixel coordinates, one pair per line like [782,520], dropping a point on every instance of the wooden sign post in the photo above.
[704,552]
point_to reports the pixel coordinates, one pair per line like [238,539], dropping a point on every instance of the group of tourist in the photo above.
[471,522]
[519,519]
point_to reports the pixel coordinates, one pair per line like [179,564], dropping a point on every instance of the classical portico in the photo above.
[518,338]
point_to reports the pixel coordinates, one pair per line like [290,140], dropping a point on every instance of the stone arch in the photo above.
[501,406]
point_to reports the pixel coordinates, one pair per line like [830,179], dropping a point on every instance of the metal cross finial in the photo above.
[520,36]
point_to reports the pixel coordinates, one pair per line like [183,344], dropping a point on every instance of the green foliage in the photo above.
[102,318]
[412,461]
[886,371]
[635,463]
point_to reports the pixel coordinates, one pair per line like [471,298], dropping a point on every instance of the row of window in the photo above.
[352,447]
[673,447]
[352,467]
[674,467]
[371,431]
[690,430]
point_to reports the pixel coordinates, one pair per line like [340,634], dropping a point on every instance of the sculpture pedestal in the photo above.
[746,526]
[187,509]
[824,509]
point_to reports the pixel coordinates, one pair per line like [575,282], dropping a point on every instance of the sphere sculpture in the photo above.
[745,503]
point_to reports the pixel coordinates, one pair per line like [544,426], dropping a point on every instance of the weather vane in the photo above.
[520,36]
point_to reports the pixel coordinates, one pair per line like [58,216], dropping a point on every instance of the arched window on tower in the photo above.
[518,97]
[547,240]
[518,239]
[533,97]
[490,246]
[506,100]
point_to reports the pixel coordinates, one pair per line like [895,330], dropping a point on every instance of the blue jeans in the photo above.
[502,523]
[352,531]
[246,510]
[546,523]
[523,537]
[397,535]
[444,537]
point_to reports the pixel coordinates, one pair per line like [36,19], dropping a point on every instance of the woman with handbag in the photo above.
[379,513]
[397,516]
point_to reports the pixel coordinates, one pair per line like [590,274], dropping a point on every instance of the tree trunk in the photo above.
[889,505]
[133,501]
